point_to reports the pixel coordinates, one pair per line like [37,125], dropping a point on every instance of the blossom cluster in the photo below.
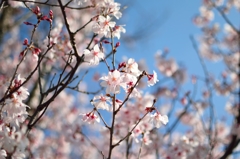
[58,111]
[126,77]
[13,114]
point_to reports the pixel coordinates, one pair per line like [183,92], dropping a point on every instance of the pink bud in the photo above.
[117,44]
[116,28]
[123,64]
[44,17]
[21,54]
[118,101]
[96,41]
[50,20]
[149,109]
[184,101]
[150,76]
[17,83]
[27,23]
[25,42]
[51,14]
[36,10]
[106,42]
[36,51]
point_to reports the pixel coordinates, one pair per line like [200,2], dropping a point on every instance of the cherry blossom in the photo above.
[39,115]
[207,14]
[112,82]
[100,102]
[158,119]
[117,30]
[167,67]
[208,53]
[146,139]
[90,118]
[117,103]
[111,7]
[104,26]
[132,67]
[93,56]
[136,133]
[3,154]
[35,53]
[152,79]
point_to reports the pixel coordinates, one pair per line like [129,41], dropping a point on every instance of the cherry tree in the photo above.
[65,93]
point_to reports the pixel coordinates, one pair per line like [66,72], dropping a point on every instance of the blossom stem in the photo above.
[112,127]
[140,149]
[130,132]
[101,118]
[126,99]
[113,50]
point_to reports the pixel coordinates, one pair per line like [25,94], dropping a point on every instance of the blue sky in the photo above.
[168,24]
[160,24]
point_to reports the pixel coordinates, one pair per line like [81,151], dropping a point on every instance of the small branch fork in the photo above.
[112,146]
[235,140]
[64,79]
[63,82]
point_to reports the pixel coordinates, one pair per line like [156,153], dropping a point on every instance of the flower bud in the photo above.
[51,14]
[27,23]
[25,42]
[117,45]
[36,10]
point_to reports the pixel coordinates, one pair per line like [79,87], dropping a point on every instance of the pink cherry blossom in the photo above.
[25,42]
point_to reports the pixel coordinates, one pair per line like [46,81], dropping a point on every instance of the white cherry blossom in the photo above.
[3,154]
[90,118]
[103,25]
[132,67]
[111,8]
[112,82]
[100,102]
[93,56]
[117,30]
[158,119]
[152,79]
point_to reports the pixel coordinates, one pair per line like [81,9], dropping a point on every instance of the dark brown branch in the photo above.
[55,5]
[234,140]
